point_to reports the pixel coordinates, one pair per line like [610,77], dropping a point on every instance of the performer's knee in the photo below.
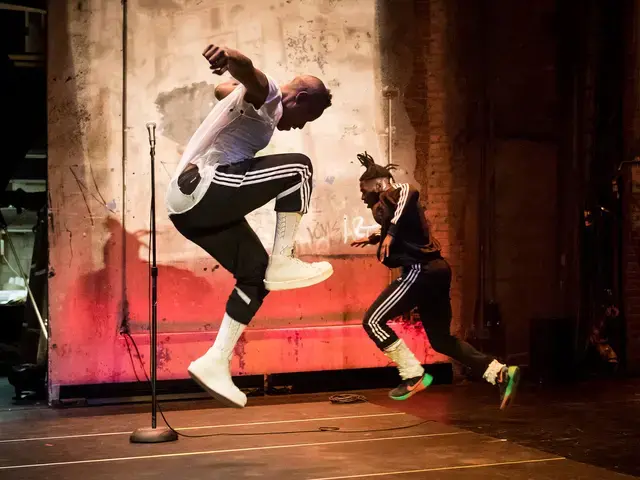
[380,336]
[442,342]
[249,292]
[367,325]
[297,195]
[245,300]
[301,159]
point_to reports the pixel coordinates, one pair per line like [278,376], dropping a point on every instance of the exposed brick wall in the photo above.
[444,104]
[430,102]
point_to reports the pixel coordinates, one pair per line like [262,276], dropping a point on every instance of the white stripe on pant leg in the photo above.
[249,180]
[384,307]
[374,325]
[393,298]
[304,191]
[294,167]
[264,171]
[309,189]
[221,180]
[375,328]
[288,168]
[288,191]
[231,180]
[259,176]
[305,197]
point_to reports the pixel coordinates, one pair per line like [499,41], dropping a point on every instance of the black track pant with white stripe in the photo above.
[428,288]
[217,224]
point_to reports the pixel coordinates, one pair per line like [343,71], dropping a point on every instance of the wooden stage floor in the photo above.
[276,439]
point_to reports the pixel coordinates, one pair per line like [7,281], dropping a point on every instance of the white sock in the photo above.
[227,337]
[286,229]
[492,371]
[408,364]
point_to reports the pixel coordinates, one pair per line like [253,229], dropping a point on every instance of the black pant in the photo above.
[217,224]
[426,287]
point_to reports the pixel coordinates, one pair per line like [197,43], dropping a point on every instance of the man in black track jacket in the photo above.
[405,241]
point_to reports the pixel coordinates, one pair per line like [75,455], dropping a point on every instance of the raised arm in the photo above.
[222,59]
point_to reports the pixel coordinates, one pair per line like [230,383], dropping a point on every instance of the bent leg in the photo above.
[288,179]
[251,184]
[398,298]
[435,313]
[238,250]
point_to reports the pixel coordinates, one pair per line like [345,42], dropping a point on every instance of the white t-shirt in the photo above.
[232,132]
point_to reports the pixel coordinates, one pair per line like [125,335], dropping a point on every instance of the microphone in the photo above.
[151,128]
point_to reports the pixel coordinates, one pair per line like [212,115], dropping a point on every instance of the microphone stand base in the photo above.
[153,435]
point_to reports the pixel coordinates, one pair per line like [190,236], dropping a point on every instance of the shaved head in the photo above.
[312,85]
[304,99]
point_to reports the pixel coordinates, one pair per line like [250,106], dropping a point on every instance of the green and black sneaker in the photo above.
[508,380]
[410,387]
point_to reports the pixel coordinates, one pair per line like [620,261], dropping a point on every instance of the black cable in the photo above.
[336,399]
[339,397]
[343,398]
[135,371]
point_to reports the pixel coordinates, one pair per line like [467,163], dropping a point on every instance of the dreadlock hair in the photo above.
[373,170]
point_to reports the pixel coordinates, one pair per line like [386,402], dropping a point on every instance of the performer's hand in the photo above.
[218,58]
[386,246]
[360,243]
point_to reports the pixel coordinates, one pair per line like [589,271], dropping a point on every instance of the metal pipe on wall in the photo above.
[125,311]
[389,93]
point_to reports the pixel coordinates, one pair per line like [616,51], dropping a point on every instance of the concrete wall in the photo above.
[473,81]
[99,180]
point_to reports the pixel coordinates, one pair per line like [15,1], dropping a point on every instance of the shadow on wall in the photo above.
[93,295]
[188,302]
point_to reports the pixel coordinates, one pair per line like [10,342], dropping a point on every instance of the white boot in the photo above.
[212,372]
[408,364]
[286,272]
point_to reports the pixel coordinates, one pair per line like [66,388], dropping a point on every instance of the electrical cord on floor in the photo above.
[335,399]
[339,398]
[342,398]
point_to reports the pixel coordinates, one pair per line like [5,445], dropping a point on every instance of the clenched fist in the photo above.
[218,58]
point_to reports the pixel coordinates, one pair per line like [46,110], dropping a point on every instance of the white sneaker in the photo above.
[214,376]
[286,273]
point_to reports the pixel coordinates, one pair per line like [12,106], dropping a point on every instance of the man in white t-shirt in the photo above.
[219,180]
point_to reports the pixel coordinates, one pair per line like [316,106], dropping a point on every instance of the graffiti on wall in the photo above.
[101,262]
[339,231]
[170,82]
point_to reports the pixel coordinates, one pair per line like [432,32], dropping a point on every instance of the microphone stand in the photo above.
[153,434]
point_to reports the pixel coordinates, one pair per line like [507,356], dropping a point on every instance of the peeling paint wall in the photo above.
[100,203]
[86,195]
